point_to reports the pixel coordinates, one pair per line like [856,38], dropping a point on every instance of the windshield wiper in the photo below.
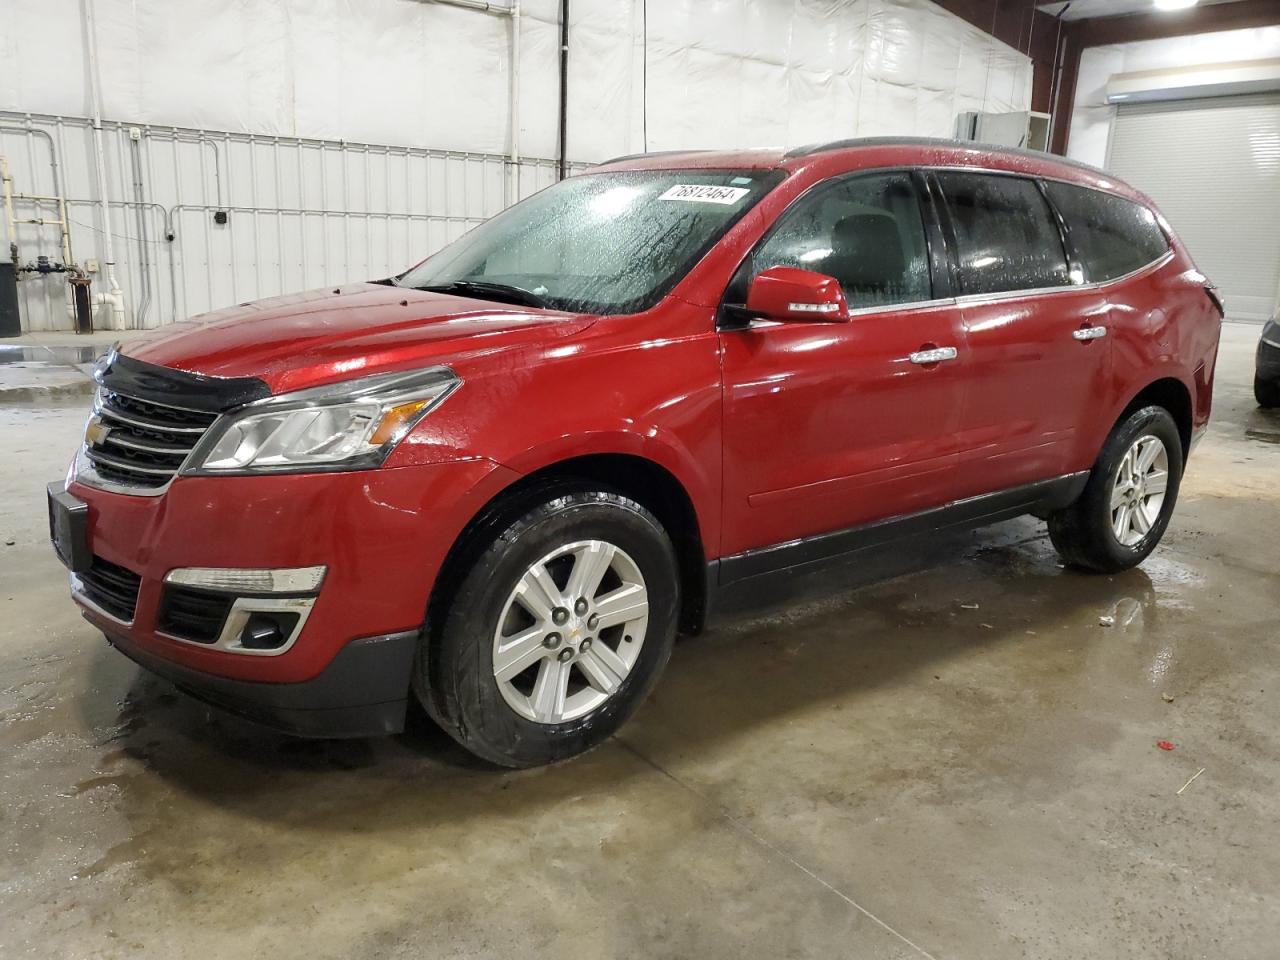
[485,290]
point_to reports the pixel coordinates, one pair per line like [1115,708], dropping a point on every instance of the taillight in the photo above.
[1216,299]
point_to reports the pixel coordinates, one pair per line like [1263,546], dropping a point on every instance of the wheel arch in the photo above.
[1173,395]
[644,480]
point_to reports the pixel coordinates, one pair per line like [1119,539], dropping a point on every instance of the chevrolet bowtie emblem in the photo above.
[95,432]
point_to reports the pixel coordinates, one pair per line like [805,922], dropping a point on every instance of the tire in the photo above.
[518,721]
[1085,534]
[1266,392]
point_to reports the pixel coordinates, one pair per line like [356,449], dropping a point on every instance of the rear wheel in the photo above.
[1128,500]
[556,633]
[1266,392]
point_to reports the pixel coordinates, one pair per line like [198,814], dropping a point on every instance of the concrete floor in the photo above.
[887,771]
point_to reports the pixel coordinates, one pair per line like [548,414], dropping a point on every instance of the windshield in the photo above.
[597,243]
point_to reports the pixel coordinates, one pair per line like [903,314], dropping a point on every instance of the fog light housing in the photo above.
[254,611]
[267,631]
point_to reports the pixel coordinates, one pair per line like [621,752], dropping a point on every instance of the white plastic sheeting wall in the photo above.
[729,72]
[333,120]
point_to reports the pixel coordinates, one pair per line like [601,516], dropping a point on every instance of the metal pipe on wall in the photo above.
[179,136]
[6,182]
[58,195]
[193,133]
[114,298]
[414,205]
[512,10]
[564,89]
[483,6]
[144,243]
[62,223]
[161,214]
[513,176]
[53,151]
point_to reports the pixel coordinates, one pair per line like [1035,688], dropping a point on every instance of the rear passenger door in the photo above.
[1036,335]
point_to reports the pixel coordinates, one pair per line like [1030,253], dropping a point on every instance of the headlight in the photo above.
[348,426]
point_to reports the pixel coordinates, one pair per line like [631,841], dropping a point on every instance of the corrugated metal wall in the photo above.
[300,213]
[1213,167]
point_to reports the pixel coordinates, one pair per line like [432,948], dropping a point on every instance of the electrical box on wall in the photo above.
[1019,128]
[10,323]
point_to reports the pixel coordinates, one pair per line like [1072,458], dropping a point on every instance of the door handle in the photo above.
[935,355]
[1085,334]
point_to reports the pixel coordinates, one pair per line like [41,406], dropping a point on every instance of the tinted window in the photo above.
[1113,236]
[1006,235]
[865,231]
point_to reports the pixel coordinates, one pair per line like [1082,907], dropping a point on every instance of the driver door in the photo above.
[829,426]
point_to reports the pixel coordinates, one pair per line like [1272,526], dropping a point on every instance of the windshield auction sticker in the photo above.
[705,193]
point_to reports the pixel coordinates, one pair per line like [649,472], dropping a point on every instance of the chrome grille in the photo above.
[141,443]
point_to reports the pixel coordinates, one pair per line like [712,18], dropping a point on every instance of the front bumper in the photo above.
[383,536]
[361,693]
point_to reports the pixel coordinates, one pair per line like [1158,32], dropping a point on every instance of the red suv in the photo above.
[503,481]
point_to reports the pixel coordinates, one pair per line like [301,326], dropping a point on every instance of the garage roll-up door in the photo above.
[1213,168]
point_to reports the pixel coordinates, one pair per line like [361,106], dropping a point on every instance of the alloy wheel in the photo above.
[1138,492]
[570,631]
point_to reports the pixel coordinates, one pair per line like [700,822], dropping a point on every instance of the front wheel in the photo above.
[1128,500]
[556,633]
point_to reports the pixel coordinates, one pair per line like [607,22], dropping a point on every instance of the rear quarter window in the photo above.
[1112,236]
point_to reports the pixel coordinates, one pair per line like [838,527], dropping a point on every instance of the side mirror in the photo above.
[789,294]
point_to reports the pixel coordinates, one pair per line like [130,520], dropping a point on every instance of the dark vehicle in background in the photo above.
[1266,377]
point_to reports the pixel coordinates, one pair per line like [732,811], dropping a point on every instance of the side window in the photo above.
[1112,235]
[866,231]
[1006,235]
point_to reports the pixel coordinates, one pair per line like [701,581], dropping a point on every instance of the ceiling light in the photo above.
[1175,4]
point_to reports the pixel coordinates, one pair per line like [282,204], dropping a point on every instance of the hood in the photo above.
[322,336]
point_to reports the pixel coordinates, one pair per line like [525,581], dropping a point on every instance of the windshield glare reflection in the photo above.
[597,243]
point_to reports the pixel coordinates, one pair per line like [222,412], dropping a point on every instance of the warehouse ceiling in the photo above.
[1092,9]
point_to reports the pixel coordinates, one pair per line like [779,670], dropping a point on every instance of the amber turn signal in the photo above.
[396,420]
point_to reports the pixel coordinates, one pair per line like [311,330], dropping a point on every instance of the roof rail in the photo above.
[649,153]
[812,148]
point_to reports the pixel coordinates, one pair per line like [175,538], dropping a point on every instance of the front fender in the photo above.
[613,392]
[653,444]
